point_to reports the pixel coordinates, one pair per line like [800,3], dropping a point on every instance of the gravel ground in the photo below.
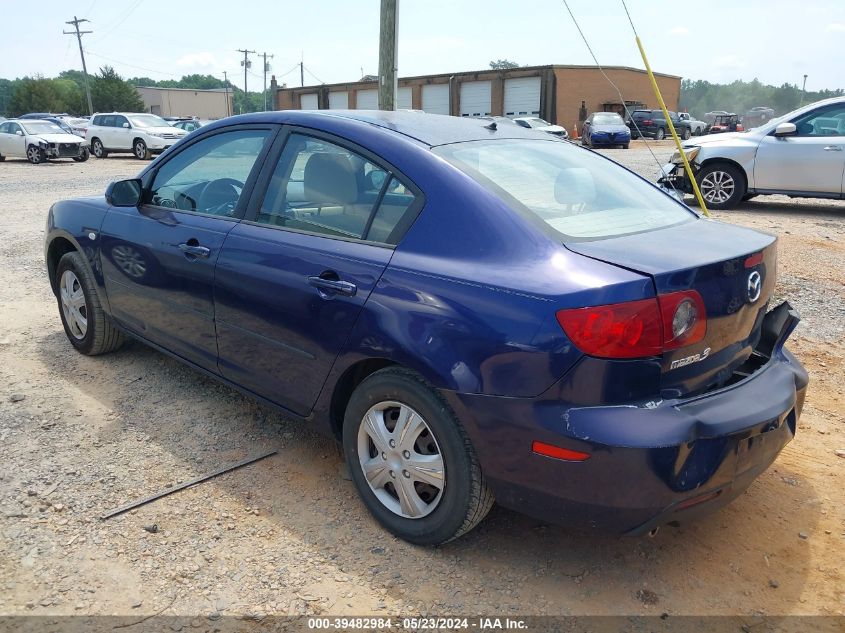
[80,436]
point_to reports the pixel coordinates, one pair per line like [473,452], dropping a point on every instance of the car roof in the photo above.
[431,129]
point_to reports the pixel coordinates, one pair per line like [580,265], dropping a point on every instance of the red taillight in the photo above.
[620,330]
[753,260]
[684,318]
[550,450]
[635,329]
[648,122]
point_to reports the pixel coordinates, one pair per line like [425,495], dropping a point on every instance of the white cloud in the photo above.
[679,30]
[836,27]
[202,60]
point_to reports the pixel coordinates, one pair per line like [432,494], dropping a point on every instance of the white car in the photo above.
[139,133]
[696,127]
[536,123]
[800,154]
[39,141]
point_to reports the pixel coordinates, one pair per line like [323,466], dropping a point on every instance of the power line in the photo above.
[313,75]
[123,63]
[125,16]
[615,87]
[76,22]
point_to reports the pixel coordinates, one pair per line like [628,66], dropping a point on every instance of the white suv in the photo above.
[140,133]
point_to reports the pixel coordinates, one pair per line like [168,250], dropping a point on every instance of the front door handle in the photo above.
[833,148]
[195,249]
[333,286]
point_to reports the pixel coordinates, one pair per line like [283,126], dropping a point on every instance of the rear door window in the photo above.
[320,187]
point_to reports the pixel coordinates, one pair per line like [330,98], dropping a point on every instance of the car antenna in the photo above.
[491,126]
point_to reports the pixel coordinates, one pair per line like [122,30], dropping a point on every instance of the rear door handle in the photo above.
[833,148]
[333,286]
[195,250]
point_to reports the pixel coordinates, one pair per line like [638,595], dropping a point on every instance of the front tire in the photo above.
[722,185]
[35,155]
[411,459]
[139,148]
[83,156]
[97,148]
[87,326]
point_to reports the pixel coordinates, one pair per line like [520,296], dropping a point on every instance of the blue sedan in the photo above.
[475,312]
[606,129]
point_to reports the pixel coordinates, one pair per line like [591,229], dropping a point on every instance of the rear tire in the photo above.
[722,185]
[660,134]
[685,134]
[459,500]
[97,148]
[87,326]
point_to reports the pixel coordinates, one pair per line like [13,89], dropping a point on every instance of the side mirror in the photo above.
[126,125]
[785,129]
[18,133]
[124,193]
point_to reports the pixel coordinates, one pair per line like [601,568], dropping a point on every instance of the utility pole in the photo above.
[247,65]
[803,89]
[226,87]
[388,80]
[301,69]
[266,69]
[76,22]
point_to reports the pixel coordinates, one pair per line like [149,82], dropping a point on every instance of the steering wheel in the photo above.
[220,196]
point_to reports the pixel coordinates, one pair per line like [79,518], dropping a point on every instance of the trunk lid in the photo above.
[713,259]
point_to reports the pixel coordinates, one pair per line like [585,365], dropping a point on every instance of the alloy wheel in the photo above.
[401,459]
[73,304]
[140,150]
[717,186]
[97,148]
[33,154]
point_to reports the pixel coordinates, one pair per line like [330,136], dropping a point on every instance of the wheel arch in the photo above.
[728,161]
[349,380]
[57,248]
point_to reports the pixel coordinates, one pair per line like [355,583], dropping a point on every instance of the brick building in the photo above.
[554,92]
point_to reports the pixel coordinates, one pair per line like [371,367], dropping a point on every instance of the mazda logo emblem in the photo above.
[755,286]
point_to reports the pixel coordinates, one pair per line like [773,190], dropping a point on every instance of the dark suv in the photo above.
[652,123]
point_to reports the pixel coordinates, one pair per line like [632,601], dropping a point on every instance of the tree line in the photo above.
[109,92]
[699,97]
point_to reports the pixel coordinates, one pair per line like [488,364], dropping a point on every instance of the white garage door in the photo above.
[475,98]
[367,100]
[522,96]
[339,100]
[308,102]
[404,99]
[435,98]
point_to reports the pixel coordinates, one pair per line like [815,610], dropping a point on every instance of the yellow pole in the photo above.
[687,167]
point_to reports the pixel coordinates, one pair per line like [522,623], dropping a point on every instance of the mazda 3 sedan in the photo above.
[476,312]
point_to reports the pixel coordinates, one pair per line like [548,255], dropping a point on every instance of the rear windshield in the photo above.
[579,194]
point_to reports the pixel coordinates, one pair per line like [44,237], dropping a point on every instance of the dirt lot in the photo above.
[287,535]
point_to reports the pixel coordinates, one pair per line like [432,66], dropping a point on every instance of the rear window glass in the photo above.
[578,194]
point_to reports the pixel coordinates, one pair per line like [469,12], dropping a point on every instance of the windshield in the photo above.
[41,127]
[608,118]
[579,194]
[147,120]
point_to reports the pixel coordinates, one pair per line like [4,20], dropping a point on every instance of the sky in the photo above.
[776,41]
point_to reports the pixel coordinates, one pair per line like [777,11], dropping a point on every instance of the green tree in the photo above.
[36,95]
[109,92]
[503,64]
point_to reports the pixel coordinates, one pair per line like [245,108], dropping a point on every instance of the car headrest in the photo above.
[329,179]
[575,185]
